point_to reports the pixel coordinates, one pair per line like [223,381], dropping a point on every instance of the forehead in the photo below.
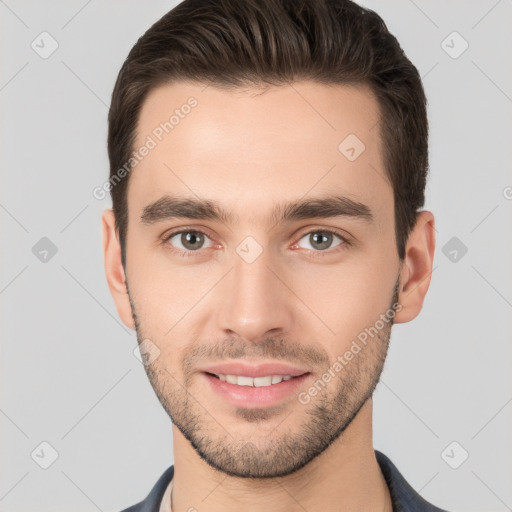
[249,149]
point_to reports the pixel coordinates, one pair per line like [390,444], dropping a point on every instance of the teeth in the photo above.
[241,380]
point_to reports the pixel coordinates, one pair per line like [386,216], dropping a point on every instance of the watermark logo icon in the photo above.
[146,352]
[44,250]
[44,45]
[44,455]
[454,455]
[454,249]
[249,249]
[454,45]
[351,147]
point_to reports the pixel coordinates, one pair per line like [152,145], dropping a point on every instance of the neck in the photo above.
[345,477]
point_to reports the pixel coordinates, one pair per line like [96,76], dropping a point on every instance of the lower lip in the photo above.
[252,397]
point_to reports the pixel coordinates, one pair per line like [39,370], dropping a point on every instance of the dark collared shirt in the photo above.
[403,496]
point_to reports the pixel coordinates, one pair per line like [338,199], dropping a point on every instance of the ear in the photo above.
[114,268]
[417,267]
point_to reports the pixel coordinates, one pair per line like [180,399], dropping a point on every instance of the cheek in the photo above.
[348,296]
[166,297]
[339,298]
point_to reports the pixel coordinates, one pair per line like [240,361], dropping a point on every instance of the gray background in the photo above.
[69,376]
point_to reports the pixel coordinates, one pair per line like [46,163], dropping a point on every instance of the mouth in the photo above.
[255,392]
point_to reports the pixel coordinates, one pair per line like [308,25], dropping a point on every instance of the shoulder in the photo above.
[403,496]
[152,501]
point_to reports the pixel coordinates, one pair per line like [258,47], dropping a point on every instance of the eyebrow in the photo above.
[172,207]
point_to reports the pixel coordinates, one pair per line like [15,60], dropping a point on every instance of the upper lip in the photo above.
[254,370]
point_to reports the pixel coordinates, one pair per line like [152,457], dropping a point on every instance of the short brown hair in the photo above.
[239,43]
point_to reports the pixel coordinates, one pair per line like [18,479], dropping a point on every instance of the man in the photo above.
[268,165]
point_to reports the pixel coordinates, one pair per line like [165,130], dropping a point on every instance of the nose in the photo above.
[253,300]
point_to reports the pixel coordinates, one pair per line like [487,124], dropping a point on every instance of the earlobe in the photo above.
[417,267]
[114,270]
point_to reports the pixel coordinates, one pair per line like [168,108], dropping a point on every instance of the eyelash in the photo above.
[315,254]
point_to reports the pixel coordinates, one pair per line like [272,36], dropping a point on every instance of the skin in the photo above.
[249,150]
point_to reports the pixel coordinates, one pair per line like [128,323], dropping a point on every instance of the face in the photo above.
[255,277]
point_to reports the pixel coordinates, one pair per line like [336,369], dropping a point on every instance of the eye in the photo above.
[189,240]
[321,239]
